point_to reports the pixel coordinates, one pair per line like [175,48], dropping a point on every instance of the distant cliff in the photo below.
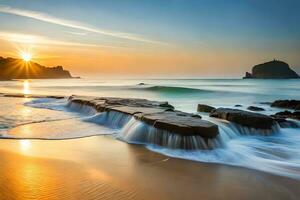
[12,68]
[272,70]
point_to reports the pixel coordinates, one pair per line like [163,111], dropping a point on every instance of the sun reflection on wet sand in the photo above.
[26,87]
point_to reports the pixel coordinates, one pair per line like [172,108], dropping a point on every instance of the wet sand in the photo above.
[100,167]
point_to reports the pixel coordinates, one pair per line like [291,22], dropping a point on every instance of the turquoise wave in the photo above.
[173,90]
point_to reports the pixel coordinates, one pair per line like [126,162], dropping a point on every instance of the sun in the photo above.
[26,56]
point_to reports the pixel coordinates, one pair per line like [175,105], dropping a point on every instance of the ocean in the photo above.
[46,118]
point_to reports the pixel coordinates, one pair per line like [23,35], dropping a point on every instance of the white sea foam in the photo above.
[110,119]
[278,153]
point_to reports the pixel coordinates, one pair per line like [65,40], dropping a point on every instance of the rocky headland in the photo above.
[272,70]
[12,68]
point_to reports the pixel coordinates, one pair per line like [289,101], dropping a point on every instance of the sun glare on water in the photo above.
[26,88]
[26,57]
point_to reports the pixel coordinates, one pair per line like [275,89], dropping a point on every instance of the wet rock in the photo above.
[198,116]
[129,110]
[101,103]
[288,114]
[205,108]
[255,108]
[245,118]
[180,123]
[166,105]
[290,104]
[55,97]
[237,105]
[188,126]
[154,114]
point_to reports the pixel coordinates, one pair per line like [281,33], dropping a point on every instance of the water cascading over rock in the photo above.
[151,122]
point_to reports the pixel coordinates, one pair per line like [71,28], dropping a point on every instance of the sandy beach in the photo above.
[100,167]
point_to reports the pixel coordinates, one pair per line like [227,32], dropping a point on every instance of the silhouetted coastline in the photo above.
[13,68]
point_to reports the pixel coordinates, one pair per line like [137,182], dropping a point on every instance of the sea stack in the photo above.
[272,70]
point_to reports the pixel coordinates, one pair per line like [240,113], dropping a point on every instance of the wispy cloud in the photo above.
[74,24]
[40,40]
[76,33]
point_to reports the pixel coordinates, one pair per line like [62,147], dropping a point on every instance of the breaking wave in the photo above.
[173,90]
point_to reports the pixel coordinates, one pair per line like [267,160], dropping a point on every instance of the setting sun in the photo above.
[26,57]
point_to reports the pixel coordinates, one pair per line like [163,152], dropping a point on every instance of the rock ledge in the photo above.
[160,115]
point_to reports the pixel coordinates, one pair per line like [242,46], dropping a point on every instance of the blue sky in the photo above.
[261,29]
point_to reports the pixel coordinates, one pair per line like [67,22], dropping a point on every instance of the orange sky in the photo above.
[156,41]
[150,62]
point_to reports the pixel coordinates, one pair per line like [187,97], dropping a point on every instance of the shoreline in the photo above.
[144,170]
[112,169]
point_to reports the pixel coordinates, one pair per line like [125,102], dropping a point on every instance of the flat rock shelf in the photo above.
[160,115]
